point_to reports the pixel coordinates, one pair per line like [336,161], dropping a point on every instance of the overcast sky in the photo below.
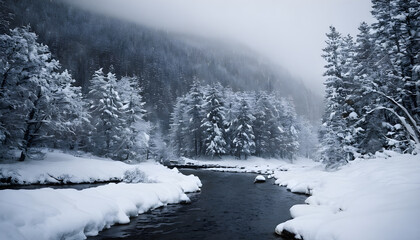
[289,32]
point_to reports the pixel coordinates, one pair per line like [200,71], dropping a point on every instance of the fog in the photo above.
[291,33]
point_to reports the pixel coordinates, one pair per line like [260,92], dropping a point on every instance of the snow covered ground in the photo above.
[61,168]
[251,165]
[74,214]
[366,199]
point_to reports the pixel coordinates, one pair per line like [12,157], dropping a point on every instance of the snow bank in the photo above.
[61,168]
[251,165]
[158,173]
[366,199]
[72,214]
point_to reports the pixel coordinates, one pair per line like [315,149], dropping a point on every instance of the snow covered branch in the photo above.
[412,131]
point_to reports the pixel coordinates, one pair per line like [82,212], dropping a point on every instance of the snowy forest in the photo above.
[372,97]
[215,121]
[126,117]
[165,63]
[205,119]
[371,102]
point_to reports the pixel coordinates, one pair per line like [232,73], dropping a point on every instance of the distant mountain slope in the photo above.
[166,63]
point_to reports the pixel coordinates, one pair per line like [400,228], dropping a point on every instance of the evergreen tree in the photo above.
[71,118]
[213,123]
[372,96]
[177,127]
[231,107]
[397,48]
[333,133]
[396,27]
[134,137]
[369,134]
[243,135]
[264,125]
[195,115]
[105,107]
[273,131]
[286,121]
[33,106]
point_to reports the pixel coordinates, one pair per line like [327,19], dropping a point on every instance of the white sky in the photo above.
[289,32]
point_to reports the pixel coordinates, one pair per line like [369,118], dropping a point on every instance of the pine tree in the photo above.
[71,117]
[242,132]
[213,123]
[134,137]
[372,96]
[195,115]
[367,135]
[232,107]
[397,48]
[264,125]
[332,136]
[177,127]
[32,92]
[273,131]
[286,120]
[396,26]
[105,108]
[15,49]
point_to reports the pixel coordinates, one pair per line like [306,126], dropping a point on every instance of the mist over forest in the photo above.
[165,62]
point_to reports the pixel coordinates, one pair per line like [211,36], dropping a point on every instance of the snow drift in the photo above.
[62,168]
[72,214]
[366,199]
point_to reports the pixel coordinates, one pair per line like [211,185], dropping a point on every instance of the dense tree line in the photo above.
[165,63]
[41,107]
[372,87]
[213,121]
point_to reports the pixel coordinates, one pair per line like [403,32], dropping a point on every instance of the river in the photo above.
[230,206]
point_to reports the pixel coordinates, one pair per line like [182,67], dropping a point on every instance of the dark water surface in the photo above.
[230,206]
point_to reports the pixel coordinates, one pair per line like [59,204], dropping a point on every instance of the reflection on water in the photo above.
[230,206]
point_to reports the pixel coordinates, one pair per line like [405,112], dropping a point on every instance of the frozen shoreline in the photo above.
[74,214]
[366,199]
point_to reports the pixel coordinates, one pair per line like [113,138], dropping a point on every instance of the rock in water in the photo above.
[259,179]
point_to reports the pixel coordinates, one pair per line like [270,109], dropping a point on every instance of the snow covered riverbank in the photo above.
[71,214]
[366,199]
[251,165]
[62,168]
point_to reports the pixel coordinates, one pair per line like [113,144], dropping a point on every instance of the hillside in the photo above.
[166,63]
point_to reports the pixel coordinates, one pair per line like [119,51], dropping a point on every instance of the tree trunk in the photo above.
[22,155]
[27,141]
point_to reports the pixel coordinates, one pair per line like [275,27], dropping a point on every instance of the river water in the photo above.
[230,206]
